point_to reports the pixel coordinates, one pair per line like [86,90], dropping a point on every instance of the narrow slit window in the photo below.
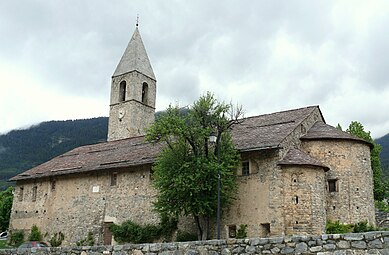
[21,193]
[145,91]
[114,179]
[122,91]
[296,199]
[53,184]
[34,193]
[245,168]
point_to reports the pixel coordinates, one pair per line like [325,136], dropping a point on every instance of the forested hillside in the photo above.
[23,149]
[384,142]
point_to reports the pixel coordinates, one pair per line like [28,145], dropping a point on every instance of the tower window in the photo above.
[145,91]
[245,168]
[333,185]
[122,91]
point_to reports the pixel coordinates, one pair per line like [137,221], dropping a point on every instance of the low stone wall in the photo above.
[361,243]
[382,219]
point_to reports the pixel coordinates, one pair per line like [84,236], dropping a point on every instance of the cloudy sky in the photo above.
[57,57]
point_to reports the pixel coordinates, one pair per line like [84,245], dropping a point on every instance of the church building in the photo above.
[297,172]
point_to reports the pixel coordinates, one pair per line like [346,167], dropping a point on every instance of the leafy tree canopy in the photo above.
[357,129]
[6,198]
[186,172]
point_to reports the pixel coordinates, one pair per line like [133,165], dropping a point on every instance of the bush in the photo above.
[56,239]
[363,226]
[87,241]
[382,206]
[35,234]
[131,232]
[186,236]
[16,238]
[242,231]
[338,228]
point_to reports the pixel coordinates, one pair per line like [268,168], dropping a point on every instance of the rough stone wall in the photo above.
[349,164]
[304,200]
[83,203]
[131,117]
[339,244]
[253,201]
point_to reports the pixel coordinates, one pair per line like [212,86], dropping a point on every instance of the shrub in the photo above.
[131,232]
[56,239]
[16,238]
[186,237]
[87,241]
[338,228]
[242,231]
[35,234]
[382,206]
[363,226]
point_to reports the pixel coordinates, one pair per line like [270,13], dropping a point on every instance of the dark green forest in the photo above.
[384,142]
[23,149]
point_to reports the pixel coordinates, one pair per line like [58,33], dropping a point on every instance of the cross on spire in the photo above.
[137,20]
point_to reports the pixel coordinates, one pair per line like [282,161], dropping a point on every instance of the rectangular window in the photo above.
[114,179]
[333,185]
[21,191]
[245,168]
[34,192]
[232,231]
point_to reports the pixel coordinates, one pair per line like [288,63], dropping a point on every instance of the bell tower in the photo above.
[133,92]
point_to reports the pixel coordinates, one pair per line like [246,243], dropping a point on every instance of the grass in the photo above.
[4,245]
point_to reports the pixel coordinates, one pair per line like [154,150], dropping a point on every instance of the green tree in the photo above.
[357,129]
[6,198]
[186,171]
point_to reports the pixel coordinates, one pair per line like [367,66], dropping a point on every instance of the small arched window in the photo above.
[145,91]
[122,91]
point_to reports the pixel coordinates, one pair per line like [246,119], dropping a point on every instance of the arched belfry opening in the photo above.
[122,91]
[145,91]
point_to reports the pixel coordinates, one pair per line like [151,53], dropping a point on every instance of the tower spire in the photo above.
[135,58]
[137,20]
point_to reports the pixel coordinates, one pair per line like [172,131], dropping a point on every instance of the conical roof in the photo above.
[296,157]
[321,130]
[135,58]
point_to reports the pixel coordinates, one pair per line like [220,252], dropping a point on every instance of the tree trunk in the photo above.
[202,227]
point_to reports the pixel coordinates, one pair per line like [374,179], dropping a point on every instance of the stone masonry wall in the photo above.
[304,200]
[350,169]
[339,244]
[83,203]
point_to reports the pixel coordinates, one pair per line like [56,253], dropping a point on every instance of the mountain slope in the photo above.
[21,150]
[384,142]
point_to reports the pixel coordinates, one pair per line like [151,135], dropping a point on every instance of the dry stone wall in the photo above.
[339,244]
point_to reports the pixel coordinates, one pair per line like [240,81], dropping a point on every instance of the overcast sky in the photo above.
[57,57]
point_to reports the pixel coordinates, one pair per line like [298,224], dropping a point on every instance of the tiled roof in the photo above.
[108,155]
[269,130]
[253,133]
[321,130]
[300,158]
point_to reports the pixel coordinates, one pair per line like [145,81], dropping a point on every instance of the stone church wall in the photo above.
[350,199]
[83,203]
